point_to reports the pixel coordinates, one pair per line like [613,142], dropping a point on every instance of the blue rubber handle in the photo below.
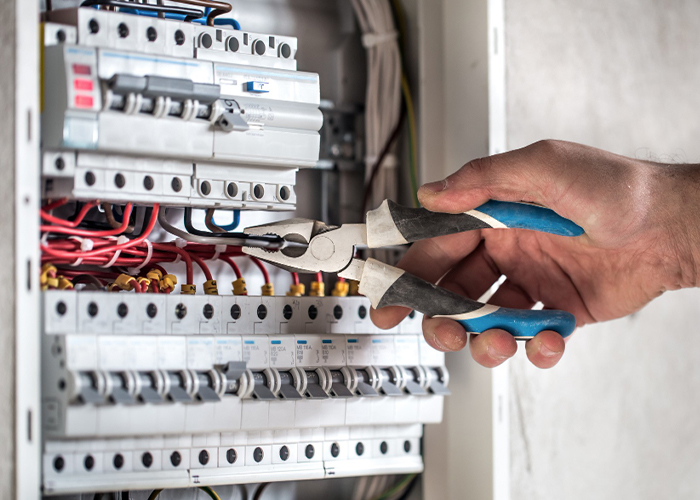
[527,216]
[522,323]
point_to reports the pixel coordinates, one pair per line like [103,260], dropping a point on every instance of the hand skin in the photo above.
[642,234]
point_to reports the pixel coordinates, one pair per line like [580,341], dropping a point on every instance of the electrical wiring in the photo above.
[234,224]
[397,488]
[383,93]
[234,266]
[202,265]
[295,278]
[209,222]
[218,8]
[210,492]
[413,138]
[109,214]
[66,223]
[154,494]
[167,247]
[110,248]
[188,14]
[91,234]
[260,491]
[262,268]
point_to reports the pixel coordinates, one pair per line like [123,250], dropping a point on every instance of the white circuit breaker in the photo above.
[152,110]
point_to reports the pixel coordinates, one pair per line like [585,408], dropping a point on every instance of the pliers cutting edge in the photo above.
[331,249]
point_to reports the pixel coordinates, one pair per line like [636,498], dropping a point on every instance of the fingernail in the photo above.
[547,352]
[435,187]
[493,354]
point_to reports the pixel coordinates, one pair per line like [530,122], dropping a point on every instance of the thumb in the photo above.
[521,175]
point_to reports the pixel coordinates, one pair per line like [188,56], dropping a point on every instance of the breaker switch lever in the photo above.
[176,392]
[147,392]
[287,389]
[364,387]
[205,392]
[313,387]
[339,389]
[386,384]
[87,385]
[438,383]
[118,392]
[261,390]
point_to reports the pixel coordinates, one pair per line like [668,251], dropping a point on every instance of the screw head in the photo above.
[179,37]
[208,311]
[205,188]
[258,454]
[285,193]
[151,310]
[119,180]
[175,458]
[122,310]
[180,311]
[359,449]
[313,312]
[232,189]
[94,26]
[59,463]
[89,462]
[61,308]
[338,312]
[60,163]
[233,44]
[287,312]
[151,34]
[90,178]
[93,309]
[284,453]
[258,191]
[148,183]
[236,311]
[383,447]
[147,460]
[407,446]
[262,312]
[335,450]
[123,30]
[260,47]
[176,184]
[206,41]
[285,50]
[60,36]
[204,457]
[362,312]
[231,456]
[118,461]
[309,451]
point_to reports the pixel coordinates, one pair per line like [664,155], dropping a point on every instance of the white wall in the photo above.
[618,418]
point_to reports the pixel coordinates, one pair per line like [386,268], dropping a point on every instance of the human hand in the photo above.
[641,236]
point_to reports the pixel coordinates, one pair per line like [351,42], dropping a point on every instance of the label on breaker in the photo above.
[172,353]
[308,352]
[282,352]
[359,350]
[81,352]
[228,349]
[383,350]
[255,352]
[143,352]
[114,352]
[333,351]
[200,352]
[406,350]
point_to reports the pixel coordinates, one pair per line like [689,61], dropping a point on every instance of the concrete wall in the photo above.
[618,417]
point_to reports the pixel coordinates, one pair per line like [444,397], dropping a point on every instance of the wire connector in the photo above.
[239,287]
[64,283]
[124,282]
[354,287]
[341,289]
[188,289]
[268,290]
[296,290]
[318,289]
[210,288]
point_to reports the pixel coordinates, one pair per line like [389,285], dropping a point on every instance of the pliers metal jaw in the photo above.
[331,249]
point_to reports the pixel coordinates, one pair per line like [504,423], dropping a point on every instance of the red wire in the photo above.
[111,248]
[261,266]
[319,277]
[234,266]
[185,256]
[202,265]
[295,278]
[154,287]
[61,222]
[342,280]
[92,234]
[55,204]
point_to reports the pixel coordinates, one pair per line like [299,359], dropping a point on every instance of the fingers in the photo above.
[493,347]
[430,260]
[444,334]
[527,174]
[545,349]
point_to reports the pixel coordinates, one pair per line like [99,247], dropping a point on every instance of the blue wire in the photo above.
[236,221]
[227,21]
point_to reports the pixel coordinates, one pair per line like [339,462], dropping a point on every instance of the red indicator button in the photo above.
[82,69]
[81,84]
[83,101]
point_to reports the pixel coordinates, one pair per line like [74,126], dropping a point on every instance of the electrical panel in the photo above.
[147,386]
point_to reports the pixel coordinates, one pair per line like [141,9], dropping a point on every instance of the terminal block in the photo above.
[156,110]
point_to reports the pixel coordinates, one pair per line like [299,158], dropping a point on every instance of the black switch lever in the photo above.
[261,391]
[205,392]
[313,387]
[363,384]
[287,389]
[339,388]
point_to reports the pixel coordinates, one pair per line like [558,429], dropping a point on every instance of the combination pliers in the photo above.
[330,249]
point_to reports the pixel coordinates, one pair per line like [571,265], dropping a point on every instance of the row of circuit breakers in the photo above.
[144,391]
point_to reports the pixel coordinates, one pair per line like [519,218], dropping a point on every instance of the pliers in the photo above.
[331,249]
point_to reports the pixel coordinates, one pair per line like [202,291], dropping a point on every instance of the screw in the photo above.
[231,456]
[287,312]
[61,308]
[148,182]
[337,312]
[93,309]
[60,163]
[90,178]
[235,311]
[313,312]
[151,34]
[262,311]
[119,180]
[179,37]
[151,310]
[175,458]
[208,311]
[123,30]
[180,311]
[362,312]
[122,310]
[147,460]
[118,461]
